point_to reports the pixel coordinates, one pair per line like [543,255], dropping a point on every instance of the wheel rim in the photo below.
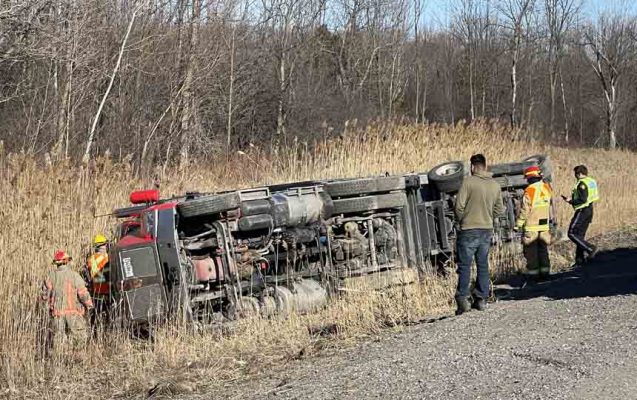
[533,159]
[448,169]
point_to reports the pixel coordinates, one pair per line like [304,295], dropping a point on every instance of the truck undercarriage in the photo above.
[282,248]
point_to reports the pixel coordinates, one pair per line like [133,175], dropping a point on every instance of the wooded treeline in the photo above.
[176,79]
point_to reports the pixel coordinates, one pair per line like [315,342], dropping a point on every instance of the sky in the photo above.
[437,12]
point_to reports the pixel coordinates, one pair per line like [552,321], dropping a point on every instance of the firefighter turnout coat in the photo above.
[67,298]
[535,212]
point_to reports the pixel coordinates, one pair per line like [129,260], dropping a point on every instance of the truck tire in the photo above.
[352,187]
[517,168]
[369,203]
[211,204]
[510,168]
[544,162]
[512,181]
[447,177]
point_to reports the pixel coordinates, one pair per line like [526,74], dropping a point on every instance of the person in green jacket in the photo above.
[478,202]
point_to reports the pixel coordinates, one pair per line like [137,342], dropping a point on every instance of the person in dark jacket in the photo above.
[584,194]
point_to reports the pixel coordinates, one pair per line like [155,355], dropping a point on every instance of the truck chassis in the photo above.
[216,257]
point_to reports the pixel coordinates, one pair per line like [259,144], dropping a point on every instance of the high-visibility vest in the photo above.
[98,268]
[539,194]
[592,192]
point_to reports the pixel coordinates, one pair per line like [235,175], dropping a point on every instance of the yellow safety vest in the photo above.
[592,192]
[98,267]
[537,220]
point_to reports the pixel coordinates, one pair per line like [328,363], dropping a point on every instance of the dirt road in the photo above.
[571,338]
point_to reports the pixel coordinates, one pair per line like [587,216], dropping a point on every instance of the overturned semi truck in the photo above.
[214,257]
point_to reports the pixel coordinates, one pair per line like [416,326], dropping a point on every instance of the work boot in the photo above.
[479,304]
[463,305]
[592,254]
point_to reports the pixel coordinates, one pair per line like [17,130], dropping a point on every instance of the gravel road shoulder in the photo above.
[570,338]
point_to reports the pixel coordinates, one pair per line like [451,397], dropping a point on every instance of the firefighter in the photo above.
[584,194]
[67,297]
[534,220]
[97,274]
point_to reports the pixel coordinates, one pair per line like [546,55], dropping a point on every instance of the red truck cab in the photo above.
[138,274]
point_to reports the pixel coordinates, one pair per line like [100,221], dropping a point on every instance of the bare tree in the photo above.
[354,51]
[516,14]
[418,8]
[190,69]
[91,134]
[287,21]
[610,46]
[473,28]
[196,78]
[560,17]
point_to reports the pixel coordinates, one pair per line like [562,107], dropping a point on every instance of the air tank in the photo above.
[308,295]
[255,207]
[255,222]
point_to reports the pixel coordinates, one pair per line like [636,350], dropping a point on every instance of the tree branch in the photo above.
[91,135]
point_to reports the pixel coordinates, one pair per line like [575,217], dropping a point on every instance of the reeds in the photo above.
[46,206]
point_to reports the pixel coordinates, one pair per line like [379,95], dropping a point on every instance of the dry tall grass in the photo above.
[43,207]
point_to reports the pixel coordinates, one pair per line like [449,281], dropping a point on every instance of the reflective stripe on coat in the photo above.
[65,292]
[535,211]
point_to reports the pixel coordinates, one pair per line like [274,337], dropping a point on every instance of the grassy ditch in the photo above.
[51,205]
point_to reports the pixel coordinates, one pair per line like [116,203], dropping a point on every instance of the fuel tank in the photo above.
[301,206]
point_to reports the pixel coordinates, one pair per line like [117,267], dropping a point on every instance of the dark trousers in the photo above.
[99,317]
[473,244]
[577,232]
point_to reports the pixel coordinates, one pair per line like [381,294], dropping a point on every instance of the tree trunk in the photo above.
[424,99]
[89,142]
[64,102]
[471,89]
[514,89]
[188,102]
[63,97]
[392,96]
[484,100]
[417,108]
[611,116]
[280,119]
[566,114]
[230,92]
[552,85]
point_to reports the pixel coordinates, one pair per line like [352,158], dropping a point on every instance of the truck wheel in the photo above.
[544,162]
[447,177]
[370,203]
[352,187]
[539,159]
[211,204]
[516,168]
[512,181]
